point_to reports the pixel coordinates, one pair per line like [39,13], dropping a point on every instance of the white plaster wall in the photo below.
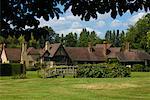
[4,57]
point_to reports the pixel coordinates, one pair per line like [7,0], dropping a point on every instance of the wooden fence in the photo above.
[59,71]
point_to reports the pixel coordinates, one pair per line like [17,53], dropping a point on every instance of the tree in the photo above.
[94,39]
[33,42]
[2,39]
[24,12]
[116,39]
[137,34]
[50,36]
[70,40]
[148,41]
[57,38]
[122,38]
[107,36]
[21,39]
[83,39]
[12,42]
[62,39]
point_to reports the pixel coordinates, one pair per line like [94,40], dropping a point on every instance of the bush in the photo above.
[102,71]
[11,69]
[140,68]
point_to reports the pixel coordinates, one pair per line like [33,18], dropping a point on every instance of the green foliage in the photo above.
[21,39]
[33,42]
[116,38]
[83,39]
[2,39]
[11,69]
[86,37]
[140,68]
[71,40]
[138,34]
[102,71]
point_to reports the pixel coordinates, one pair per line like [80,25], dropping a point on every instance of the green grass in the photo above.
[137,87]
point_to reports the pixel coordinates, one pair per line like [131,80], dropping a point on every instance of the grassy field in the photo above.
[136,87]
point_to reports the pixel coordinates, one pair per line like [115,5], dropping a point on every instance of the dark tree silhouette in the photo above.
[23,12]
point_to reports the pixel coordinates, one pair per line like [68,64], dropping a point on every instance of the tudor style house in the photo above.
[59,55]
[11,55]
[50,54]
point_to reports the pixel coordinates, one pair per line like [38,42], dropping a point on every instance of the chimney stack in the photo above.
[23,52]
[46,45]
[24,47]
[90,47]
[127,47]
[105,47]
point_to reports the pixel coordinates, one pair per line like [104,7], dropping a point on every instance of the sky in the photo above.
[69,23]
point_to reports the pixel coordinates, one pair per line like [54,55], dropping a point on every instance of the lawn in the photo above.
[137,87]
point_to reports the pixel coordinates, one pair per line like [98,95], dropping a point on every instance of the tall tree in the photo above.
[33,42]
[70,40]
[148,41]
[83,39]
[137,33]
[122,38]
[57,38]
[93,38]
[108,35]
[2,39]
[21,39]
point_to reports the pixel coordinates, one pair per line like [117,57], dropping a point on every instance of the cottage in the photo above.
[128,56]
[11,55]
[81,55]
[58,54]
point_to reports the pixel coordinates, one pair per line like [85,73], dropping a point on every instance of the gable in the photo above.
[61,51]
[4,57]
[13,54]
[46,54]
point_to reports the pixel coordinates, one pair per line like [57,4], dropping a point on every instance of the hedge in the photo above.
[11,69]
[140,68]
[102,71]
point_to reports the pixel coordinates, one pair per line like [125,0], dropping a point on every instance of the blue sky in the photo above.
[69,23]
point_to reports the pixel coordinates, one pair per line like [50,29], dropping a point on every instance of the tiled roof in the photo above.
[33,53]
[52,48]
[83,54]
[133,56]
[113,52]
[103,45]
[13,54]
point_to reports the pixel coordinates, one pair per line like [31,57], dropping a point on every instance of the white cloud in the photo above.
[104,16]
[76,25]
[136,17]
[100,23]
[118,23]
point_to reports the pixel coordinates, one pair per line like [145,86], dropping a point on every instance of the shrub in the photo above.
[140,68]
[11,69]
[102,70]
[147,68]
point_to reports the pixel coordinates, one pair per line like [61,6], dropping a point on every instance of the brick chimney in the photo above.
[24,52]
[127,47]
[46,45]
[24,47]
[105,46]
[90,47]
